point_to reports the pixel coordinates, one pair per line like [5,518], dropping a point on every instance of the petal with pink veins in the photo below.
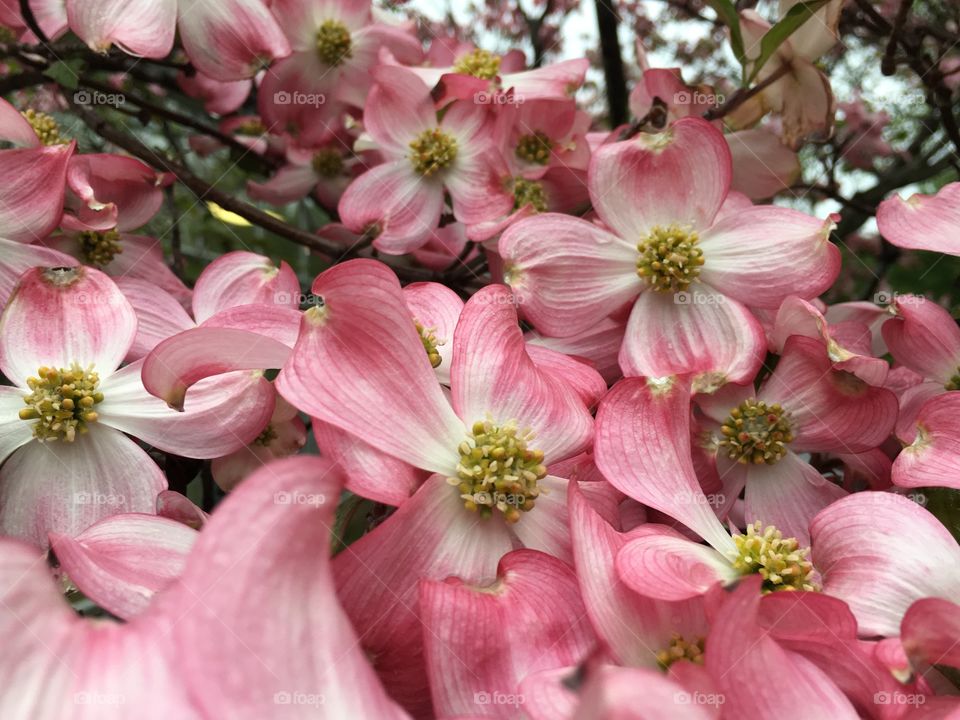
[221,413]
[764,254]
[762,165]
[398,109]
[640,693]
[159,315]
[568,274]
[677,177]
[880,552]
[59,316]
[277,322]
[437,308]
[930,632]
[243,278]
[291,182]
[122,561]
[549,631]
[645,419]
[700,332]
[924,337]
[923,222]
[933,458]
[579,375]
[430,536]
[32,190]
[65,487]
[20,257]
[230,40]
[139,27]
[116,191]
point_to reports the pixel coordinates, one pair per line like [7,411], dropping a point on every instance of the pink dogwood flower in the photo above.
[666,248]
[402,199]
[923,222]
[68,461]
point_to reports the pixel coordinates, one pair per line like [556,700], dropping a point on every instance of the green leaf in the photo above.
[788,24]
[66,73]
[727,12]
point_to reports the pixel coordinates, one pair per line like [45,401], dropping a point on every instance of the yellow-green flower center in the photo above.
[99,248]
[253,127]
[267,436]
[669,258]
[432,151]
[334,44]
[61,401]
[498,471]
[781,562]
[45,127]
[430,343]
[327,163]
[529,192]
[479,63]
[755,432]
[954,383]
[535,148]
[681,649]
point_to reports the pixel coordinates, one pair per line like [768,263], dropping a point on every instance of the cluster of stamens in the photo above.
[498,471]
[954,382]
[327,163]
[669,258]
[479,63]
[253,127]
[266,436]
[334,44]
[755,432]
[535,148]
[681,649]
[430,342]
[45,127]
[529,192]
[61,401]
[781,562]
[432,151]
[99,248]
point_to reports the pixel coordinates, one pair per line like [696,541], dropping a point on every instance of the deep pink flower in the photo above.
[686,266]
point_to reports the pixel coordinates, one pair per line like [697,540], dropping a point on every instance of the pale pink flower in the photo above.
[923,222]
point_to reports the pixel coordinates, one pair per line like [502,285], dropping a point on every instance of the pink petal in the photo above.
[551,81]
[221,414]
[178,507]
[764,254]
[678,177]
[180,361]
[403,205]
[550,631]
[437,308]
[277,322]
[662,564]
[740,649]
[398,109]
[273,531]
[788,495]
[600,345]
[122,188]
[430,536]
[568,274]
[14,432]
[642,419]
[360,364]
[369,472]
[924,337]
[611,605]
[923,222]
[635,693]
[478,190]
[829,410]
[229,40]
[140,27]
[220,98]
[762,165]
[63,488]
[159,315]
[20,257]
[933,458]
[86,319]
[492,374]
[700,331]
[121,561]
[243,278]
[14,127]
[32,190]
[879,552]
[576,374]
[931,632]
[291,182]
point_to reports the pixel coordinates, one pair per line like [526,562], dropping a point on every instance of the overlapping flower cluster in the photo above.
[640,470]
